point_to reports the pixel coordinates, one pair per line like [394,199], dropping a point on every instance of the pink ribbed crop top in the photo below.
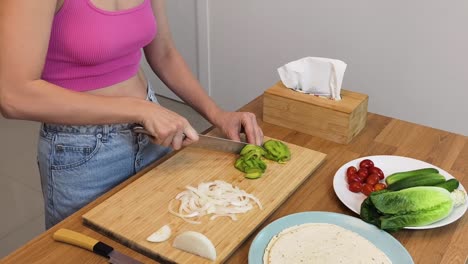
[91,48]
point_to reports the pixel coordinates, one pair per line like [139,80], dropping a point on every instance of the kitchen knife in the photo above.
[208,142]
[91,244]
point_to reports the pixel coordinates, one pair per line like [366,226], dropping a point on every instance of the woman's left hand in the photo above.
[233,123]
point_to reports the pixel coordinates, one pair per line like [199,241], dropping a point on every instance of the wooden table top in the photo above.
[381,136]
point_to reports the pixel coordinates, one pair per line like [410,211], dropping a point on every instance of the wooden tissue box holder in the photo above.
[338,121]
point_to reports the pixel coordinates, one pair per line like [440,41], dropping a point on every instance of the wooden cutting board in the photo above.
[141,208]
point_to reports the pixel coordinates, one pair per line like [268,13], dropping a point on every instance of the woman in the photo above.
[74,66]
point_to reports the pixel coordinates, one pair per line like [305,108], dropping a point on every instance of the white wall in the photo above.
[182,16]
[410,57]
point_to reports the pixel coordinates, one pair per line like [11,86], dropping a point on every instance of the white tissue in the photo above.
[314,75]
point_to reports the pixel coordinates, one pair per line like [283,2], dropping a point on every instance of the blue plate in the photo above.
[381,239]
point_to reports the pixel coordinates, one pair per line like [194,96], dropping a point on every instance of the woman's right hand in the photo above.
[166,127]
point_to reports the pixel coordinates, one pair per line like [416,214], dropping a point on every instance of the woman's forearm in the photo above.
[175,73]
[44,102]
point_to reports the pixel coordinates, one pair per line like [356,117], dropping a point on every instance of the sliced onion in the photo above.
[184,216]
[217,198]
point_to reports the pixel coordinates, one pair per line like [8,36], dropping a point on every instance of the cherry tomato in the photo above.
[363,173]
[372,179]
[367,163]
[377,171]
[353,178]
[355,187]
[362,177]
[365,170]
[351,170]
[380,186]
[367,189]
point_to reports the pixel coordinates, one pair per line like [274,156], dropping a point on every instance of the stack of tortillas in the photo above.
[321,243]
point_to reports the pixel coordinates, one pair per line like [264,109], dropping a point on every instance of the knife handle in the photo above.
[83,241]
[142,130]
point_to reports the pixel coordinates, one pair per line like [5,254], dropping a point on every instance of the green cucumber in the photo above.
[449,185]
[421,180]
[395,177]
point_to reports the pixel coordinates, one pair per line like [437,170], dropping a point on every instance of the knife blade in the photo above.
[208,142]
[91,244]
[220,144]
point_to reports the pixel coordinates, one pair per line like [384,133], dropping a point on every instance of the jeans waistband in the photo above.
[86,129]
[96,129]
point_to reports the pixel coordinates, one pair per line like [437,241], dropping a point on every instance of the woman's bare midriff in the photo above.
[133,87]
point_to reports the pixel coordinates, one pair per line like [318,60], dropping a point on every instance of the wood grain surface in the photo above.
[349,102]
[338,121]
[141,208]
[381,136]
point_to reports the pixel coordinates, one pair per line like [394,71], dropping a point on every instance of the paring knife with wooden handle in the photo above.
[91,244]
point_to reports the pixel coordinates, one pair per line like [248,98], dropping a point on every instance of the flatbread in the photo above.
[321,243]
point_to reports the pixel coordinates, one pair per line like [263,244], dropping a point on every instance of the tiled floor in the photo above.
[21,202]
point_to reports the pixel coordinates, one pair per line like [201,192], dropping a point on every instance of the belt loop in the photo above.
[148,92]
[105,133]
[43,130]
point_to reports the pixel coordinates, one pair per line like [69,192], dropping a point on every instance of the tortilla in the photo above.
[321,243]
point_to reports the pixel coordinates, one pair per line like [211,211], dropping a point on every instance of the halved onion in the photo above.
[195,243]
[218,198]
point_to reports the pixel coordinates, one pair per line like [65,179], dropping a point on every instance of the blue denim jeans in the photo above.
[77,164]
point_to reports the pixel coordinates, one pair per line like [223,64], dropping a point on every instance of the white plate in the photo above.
[389,165]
